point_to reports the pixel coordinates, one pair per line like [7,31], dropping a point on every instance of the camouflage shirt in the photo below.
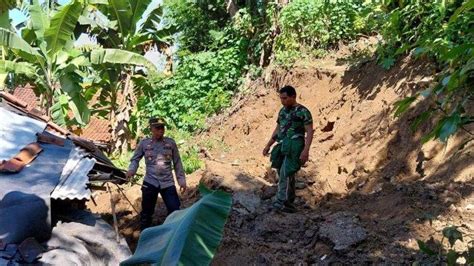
[161,156]
[291,121]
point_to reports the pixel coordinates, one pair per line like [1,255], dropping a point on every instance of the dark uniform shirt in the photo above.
[160,158]
[291,122]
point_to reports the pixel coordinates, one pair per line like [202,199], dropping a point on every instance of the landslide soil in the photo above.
[364,162]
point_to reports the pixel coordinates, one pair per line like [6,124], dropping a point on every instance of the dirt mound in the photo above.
[363,160]
[368,172]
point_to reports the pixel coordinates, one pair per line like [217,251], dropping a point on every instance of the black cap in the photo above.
[156,121]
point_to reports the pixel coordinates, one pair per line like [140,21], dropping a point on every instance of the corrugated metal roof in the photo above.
[16,131]
[74,179]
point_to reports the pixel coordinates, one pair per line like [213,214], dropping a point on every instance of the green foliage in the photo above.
[255,24]
[191,160]
[125,29]
[202,85]
[402,105]
[452,234]
[122,161]
[316,24]
[196,20]
[117,56]
[441,31]
[45,57]
[63,23]
[214,53]
[449,255]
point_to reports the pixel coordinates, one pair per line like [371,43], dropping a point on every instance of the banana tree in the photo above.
[44,56]
[5,7]
[125,29]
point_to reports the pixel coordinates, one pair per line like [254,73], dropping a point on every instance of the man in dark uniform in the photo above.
[161,156]
[293,134]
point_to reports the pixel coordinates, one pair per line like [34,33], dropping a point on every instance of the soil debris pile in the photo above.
[370,189]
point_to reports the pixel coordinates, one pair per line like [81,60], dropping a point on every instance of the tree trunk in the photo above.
[269,43]
[232,8]
[120,116]
[169,59]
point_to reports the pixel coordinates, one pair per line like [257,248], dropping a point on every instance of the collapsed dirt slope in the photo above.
[363,162]
[370,188]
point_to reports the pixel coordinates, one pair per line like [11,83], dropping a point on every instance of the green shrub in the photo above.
[316,24]
[202,85]
[196,20]
[441,31]
[449,255]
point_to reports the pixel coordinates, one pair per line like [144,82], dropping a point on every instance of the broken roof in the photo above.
[18,106]
[59,170]
[73,181]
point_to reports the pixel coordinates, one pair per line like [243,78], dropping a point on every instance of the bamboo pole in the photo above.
[112,205]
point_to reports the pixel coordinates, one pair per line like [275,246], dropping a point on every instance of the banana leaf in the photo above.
[138,7]
[187,237]
[117,56]
[19,68]
[121,11]
[13,41]
[62,26]
[38,18]
[70,84]
[5,19]
[153,12]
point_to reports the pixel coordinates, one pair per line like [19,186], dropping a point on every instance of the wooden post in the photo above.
[112,205]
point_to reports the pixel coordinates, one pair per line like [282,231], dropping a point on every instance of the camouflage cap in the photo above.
[156,121]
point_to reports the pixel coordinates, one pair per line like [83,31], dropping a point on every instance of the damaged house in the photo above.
[46,175]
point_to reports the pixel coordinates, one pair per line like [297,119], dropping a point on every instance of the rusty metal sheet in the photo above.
[29,152]
[11,166]
[47,137]
[24,157]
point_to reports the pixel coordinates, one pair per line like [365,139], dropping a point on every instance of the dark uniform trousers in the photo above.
[149,198]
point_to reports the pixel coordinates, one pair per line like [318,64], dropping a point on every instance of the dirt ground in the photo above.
[365,164]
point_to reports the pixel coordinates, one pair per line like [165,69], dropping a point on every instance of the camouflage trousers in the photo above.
[285,157]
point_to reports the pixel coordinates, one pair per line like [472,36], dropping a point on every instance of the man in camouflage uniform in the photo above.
[161,156]
[292,149]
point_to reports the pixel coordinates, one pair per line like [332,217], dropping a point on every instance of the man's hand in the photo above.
[130,174]
[266,150]
[183,188]
[304,157]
